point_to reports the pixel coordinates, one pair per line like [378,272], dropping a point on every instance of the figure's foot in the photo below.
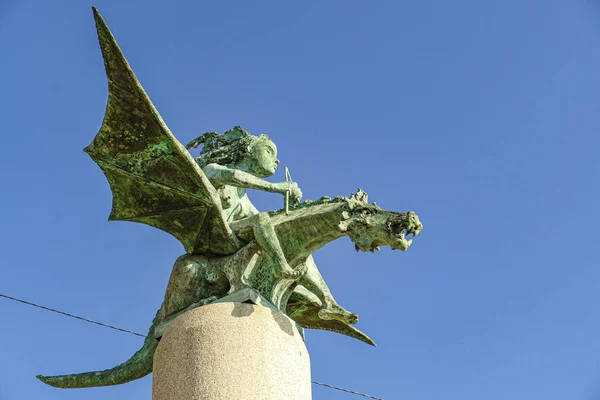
[336,312]
[284,271]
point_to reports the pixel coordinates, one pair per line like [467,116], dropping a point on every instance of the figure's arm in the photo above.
[220,175]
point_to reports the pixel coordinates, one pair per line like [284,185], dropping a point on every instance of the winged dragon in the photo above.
[233,251]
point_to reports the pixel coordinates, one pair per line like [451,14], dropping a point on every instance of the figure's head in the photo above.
[261,158]
[238,148]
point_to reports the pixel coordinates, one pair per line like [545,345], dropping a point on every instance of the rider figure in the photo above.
[236,161]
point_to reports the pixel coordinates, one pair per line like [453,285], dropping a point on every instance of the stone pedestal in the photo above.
[228,351]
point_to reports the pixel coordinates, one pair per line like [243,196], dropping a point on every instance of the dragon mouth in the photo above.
[402,235]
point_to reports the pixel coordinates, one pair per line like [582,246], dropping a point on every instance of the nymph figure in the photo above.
[236,161]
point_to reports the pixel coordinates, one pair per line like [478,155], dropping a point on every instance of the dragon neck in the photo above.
[306,230]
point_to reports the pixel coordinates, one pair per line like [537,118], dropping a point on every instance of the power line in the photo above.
[139,334]
[71,315]
[347,391]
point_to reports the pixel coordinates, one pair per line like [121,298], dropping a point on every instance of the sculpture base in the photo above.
[229,351]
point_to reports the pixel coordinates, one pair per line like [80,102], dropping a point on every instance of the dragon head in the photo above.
[370,227]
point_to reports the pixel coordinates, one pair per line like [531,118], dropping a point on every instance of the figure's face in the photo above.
[262,160]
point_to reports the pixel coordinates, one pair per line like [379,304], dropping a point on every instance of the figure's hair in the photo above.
[228,148]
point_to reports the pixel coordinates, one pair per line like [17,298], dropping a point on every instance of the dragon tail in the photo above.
[138,366]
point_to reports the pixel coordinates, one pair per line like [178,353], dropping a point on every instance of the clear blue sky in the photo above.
[482,116]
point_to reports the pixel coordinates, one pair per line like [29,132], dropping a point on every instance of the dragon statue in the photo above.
[233,251]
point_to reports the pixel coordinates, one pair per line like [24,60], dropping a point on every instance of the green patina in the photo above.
[233,251]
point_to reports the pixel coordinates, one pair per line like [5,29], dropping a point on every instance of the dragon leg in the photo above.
[310,302]
[330,309]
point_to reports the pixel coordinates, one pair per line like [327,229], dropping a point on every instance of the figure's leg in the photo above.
[265,235]
[314,282]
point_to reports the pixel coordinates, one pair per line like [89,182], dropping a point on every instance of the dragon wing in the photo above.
[153,178]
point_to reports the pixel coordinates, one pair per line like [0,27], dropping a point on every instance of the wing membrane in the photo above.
[153,178]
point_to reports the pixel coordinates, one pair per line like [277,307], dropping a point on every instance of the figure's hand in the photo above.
[295,193]
[293,189]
